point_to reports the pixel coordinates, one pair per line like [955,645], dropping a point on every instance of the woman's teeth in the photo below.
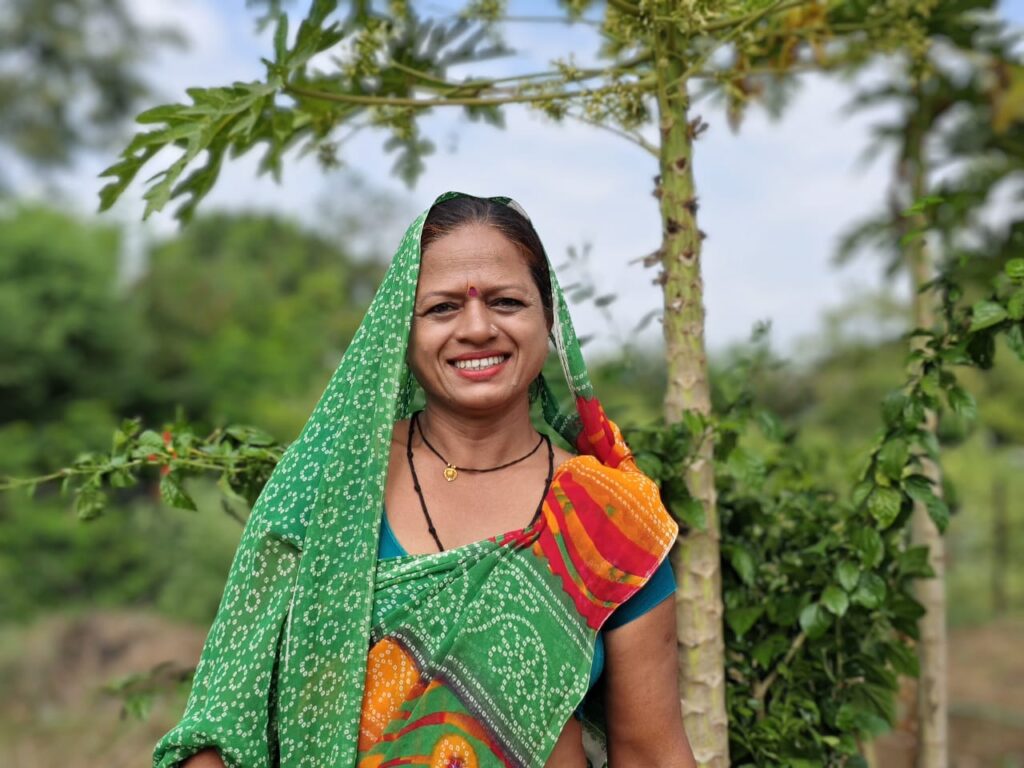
[480,362]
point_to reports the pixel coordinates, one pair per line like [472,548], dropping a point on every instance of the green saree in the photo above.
[321,655]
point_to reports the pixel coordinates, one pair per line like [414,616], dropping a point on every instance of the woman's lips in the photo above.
[480,368]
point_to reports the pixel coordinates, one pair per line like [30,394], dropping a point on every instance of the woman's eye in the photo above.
[439,309]
[508,302]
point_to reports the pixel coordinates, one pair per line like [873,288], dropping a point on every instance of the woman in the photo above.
[473,642]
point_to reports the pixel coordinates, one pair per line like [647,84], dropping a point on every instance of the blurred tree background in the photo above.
[241,317]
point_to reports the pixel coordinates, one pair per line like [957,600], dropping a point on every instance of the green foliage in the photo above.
[67,327]
[818,587]
[48,562]
[263,314]
[245,317]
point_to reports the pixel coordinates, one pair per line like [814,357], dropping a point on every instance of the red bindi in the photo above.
[472,292]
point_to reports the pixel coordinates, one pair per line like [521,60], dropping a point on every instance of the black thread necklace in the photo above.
[451,472]
[423,502]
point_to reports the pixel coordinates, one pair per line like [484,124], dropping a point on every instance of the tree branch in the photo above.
[455,101]
[636,138]
[734,32]
[761,689]
[742,21]
[551,20]
[553,75]
[624,6]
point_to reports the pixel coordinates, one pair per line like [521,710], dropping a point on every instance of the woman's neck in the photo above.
[479,440]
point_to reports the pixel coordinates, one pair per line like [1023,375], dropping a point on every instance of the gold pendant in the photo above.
[450,473]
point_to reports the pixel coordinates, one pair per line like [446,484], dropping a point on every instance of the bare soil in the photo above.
[55,711]
[986,694]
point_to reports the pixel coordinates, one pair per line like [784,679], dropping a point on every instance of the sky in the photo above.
[774,197]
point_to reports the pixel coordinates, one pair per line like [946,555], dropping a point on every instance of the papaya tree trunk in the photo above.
[695,558]
[932,699]
[1001,565]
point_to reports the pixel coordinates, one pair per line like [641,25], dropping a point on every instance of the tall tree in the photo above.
[967,66]
[390,65]
[70,75]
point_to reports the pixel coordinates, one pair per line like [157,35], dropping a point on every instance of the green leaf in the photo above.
[174,495]
[938,511]
[930,384]
[860,719]
[870,592]
[742,619]
[649,464]
[986,313]
[1015,270]
[90,503]
[860,492]
[905,607]
[769,649]
[1015,306]
[743,562]
[770,425]
[814,620]
[892,408]
[981,348]
[893,457]
[1015,340]
[913,562]
[151,442]
[691,512]
[784,610]
[869,544]
[835,599]
[962,403]
[921,490]
[848,574]
[903,658]
[913,412]
[884,505]
[745,466]
[249,435]
[281,38]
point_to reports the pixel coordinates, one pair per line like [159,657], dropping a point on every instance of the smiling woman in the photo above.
[494,583]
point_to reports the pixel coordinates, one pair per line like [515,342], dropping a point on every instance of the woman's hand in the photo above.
[208,758]
[645,721]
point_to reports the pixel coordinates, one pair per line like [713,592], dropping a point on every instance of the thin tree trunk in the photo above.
[1000,545]
[932,698]
[696,557]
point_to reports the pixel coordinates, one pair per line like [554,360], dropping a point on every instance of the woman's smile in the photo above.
[480,366]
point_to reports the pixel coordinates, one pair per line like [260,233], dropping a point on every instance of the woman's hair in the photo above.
[449,215]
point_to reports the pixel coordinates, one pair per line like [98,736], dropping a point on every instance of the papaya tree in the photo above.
[960,111]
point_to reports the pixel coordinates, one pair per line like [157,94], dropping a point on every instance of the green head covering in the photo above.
[283,667]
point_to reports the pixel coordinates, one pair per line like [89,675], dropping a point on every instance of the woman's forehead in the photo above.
[485,253]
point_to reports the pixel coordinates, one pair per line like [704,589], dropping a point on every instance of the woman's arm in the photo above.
[208,758]
[645,722]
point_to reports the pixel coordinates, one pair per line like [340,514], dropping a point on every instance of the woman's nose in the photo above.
[475,322]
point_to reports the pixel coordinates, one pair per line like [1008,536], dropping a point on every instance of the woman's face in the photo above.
[479,333]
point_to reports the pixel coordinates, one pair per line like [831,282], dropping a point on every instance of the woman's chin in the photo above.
[478,398]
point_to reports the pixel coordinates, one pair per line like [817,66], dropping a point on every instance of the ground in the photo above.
[54,709]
